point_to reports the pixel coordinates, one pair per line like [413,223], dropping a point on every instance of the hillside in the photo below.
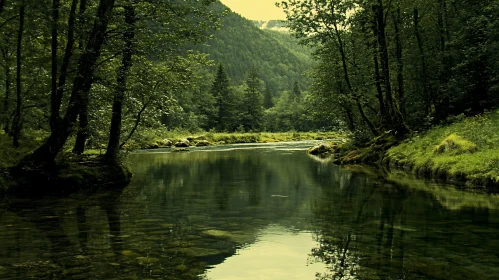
[240,45]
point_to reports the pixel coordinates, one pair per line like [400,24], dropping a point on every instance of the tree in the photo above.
[296,90]
[80,90]
[268,97]
[122,75]
[16,125]
[225,102]
[252,106]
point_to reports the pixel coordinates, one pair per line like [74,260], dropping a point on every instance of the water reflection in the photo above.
[266,213]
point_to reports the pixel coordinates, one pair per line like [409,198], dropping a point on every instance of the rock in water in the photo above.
[321,148]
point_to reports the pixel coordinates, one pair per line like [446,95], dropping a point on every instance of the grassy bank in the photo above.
[466,151]
[164,138]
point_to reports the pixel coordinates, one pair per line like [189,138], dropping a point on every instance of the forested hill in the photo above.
[240,45]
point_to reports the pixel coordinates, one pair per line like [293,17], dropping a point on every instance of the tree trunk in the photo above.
[426,95]
[82,135]
[53,95]
[6,101]
[349,85]
[81,21]
[123,71]
[383,55]
[397,123]
[55,117]
[366,119]
[385,116]
[16,124]
[350,121]
[81,87]
[136,125]
[400,65]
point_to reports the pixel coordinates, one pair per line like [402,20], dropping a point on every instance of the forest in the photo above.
[101,73]
[399,65]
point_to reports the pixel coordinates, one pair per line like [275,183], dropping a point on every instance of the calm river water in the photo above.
[252,212]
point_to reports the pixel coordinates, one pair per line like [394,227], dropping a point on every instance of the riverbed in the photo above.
[252,211]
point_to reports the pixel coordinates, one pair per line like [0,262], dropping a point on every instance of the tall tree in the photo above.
[268,96]
[17,122]
[252,103]
[225,101]
[122,75]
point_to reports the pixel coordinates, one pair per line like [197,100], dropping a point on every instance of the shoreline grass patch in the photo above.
[466,151]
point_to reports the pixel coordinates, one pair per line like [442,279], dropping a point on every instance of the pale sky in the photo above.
[255,9]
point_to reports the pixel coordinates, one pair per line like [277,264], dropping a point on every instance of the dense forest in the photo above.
[95,72]
[243,49]
[75,70]
[400,65]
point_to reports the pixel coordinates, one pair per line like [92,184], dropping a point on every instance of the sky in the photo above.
[255,9]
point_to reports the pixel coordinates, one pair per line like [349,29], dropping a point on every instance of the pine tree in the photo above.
[224,119]
[296,90]
[253,104]
[268,101]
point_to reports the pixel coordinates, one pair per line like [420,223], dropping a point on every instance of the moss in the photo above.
[455,145]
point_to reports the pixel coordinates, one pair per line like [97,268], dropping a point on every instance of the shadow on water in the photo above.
[269,212]
[56,237]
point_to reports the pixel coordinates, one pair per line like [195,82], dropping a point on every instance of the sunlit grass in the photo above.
[467,150]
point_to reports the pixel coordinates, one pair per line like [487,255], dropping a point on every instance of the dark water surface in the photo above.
[252,212]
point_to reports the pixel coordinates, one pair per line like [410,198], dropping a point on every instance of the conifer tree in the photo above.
[267,97]
[224,119]
[253,103]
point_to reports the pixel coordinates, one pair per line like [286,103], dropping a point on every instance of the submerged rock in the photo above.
[321,148]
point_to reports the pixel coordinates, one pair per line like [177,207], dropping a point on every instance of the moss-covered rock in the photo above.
[455,145]
[202,143]
[183,143]
[321,148]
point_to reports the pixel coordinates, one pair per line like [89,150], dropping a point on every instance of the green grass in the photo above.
[155,137]
[465,151]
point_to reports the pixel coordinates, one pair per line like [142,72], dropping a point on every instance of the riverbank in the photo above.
[70,173]
[166,139]
[73,173]
[465,152]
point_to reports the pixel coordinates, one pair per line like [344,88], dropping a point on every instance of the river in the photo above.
[253,211]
